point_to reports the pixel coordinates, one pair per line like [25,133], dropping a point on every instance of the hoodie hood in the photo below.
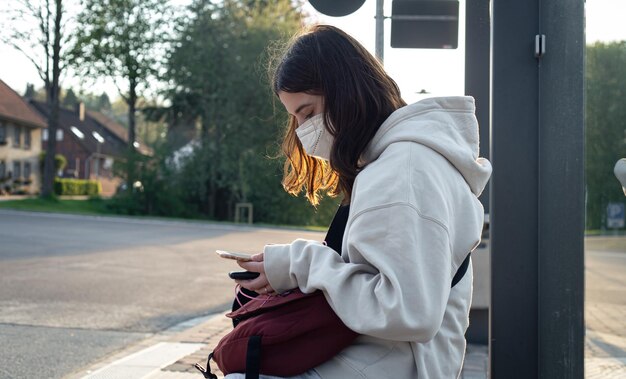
[445,124]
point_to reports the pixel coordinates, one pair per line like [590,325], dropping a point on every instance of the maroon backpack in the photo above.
[283,335]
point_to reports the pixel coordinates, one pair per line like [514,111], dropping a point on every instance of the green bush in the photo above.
[59,162]
[74,187]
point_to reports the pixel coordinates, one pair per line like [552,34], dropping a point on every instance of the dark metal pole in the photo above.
[537,202]
[514,114]
[477,71]
[561,190]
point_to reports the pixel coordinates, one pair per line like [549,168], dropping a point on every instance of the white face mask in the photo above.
[315,137]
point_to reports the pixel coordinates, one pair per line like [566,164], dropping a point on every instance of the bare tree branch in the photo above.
[120,92]
[19,48]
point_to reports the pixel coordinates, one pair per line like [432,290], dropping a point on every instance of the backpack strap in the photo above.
[334,236]
[253,357]
[334,239]
[460,273]
[206,372]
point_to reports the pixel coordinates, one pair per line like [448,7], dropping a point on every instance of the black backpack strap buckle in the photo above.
[206,372]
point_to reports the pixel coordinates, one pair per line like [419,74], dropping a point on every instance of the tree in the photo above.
[122,40]
[103,103]
[605,134]
[218,82]
[30,91]
[70,100]
[43,19]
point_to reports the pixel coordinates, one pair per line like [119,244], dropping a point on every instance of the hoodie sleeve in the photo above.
[396,284]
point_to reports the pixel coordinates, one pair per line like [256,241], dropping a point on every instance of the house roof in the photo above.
[90,128]
[110,124]
[118,130]
[14,108]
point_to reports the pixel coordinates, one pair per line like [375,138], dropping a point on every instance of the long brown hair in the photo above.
[358,96]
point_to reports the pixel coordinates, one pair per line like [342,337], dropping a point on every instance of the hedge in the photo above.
[73,187]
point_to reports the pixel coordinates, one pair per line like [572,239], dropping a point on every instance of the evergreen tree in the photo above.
[103,104]
[70,100]
[30,91]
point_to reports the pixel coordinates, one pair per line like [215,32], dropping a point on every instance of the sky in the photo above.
[438,72]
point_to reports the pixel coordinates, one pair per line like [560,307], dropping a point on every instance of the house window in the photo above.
[77,132]
[3,170]
[27,138]
[17,170]
[17,136]
[44,135]
[27,170]
[3,133]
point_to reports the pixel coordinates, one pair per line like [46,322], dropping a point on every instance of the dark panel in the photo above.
[478,330]
[426,24]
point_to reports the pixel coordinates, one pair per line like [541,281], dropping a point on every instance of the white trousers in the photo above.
[311,374]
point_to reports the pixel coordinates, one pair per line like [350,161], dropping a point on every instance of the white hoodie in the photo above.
[414,216]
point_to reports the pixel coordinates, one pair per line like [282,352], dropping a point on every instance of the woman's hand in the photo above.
[259,285]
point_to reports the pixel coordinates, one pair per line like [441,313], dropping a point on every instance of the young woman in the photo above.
[412,176]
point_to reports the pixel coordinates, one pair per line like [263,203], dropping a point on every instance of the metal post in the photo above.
[561,190]
[477,70]
[537,202]
[380,30]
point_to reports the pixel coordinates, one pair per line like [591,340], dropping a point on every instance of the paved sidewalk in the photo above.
[172,354]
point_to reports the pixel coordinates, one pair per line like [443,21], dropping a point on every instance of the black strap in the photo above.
[460,273]
[206,372]
[334,236]
[253,357]
[333,239]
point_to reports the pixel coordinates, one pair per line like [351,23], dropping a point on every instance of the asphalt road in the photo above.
[76,288]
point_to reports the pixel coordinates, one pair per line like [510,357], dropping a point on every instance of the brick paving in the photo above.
[208,333]
[212,330]
[605,341]
[605,351]
[605,311]
[605,346]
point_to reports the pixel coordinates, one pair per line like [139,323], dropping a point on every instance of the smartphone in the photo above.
[243,275]
[236,256]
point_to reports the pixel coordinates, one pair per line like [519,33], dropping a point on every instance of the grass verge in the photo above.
[98,206]
[93,206]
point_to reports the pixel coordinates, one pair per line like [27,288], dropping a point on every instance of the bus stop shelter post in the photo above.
[537,189]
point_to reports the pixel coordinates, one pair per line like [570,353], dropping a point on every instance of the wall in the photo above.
[9,153]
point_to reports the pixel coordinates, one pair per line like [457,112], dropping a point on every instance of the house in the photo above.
[90,142]
[20,143]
